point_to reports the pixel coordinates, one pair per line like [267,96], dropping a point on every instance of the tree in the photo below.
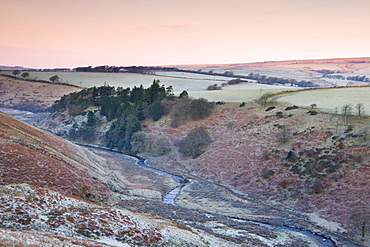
[179,112]
[54,78]
[346,113]
[16,72]
[156,110]
[213,87]
[359,109]
[265,99]
[200,108]
[155,92]
[194,143]
[91,119]
[184,94]
[169,92]
[25,74]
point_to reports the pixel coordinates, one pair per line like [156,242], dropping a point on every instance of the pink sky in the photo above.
[70,33]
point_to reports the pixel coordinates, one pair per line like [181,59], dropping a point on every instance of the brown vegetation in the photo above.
[326,172]
[18,92]
[33,156]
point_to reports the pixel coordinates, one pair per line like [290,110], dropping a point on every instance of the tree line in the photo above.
[350,78]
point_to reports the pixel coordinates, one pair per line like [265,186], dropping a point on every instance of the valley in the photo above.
[266,171]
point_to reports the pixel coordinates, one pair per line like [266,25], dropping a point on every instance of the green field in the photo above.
[179,82]
[234,95]
[330,99]
[327,99]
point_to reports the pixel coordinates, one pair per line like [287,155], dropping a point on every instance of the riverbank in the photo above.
[209,207]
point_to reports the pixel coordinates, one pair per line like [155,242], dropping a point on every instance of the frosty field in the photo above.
[329,99]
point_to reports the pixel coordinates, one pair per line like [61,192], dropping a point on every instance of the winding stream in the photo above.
[170,198]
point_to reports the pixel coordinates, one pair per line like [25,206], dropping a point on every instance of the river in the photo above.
[170,198]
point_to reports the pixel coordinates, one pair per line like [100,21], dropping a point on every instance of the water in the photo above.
[171,195]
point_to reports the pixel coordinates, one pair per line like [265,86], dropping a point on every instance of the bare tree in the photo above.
[359,109]
[265,99]
[346,113]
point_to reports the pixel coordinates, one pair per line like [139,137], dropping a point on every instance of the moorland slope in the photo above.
[305,161]
[62,192]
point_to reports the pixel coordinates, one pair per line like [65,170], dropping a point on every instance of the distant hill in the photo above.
[343,64]
[2,67]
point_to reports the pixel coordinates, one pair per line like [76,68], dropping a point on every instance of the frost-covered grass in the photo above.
[192,76]
[31,208]
[91,79]
[231,94]
[330,99]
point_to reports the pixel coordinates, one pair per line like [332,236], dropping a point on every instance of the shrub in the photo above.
[265,99]
[180,111]
[149,143]
[267,173]
[200,108]
[213,87]
[195,142]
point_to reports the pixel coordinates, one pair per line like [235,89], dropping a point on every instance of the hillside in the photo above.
[22,93]
[55,187]
[311,166]
[314,164]
[336,64]
[284,165]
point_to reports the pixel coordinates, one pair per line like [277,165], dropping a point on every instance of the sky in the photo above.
[72,33]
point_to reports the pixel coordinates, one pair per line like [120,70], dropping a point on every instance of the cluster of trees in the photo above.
[231,82]
[115,69]
[350,78]
[87,130]
[347,111]
[214,87]
[127,106]
[142,142]
[15,73]
[187,108]
[339,77]
[263,79]
[358,78]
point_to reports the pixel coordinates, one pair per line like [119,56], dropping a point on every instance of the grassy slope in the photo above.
[16,92]
[30,155]
[47,184]
[324,178]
